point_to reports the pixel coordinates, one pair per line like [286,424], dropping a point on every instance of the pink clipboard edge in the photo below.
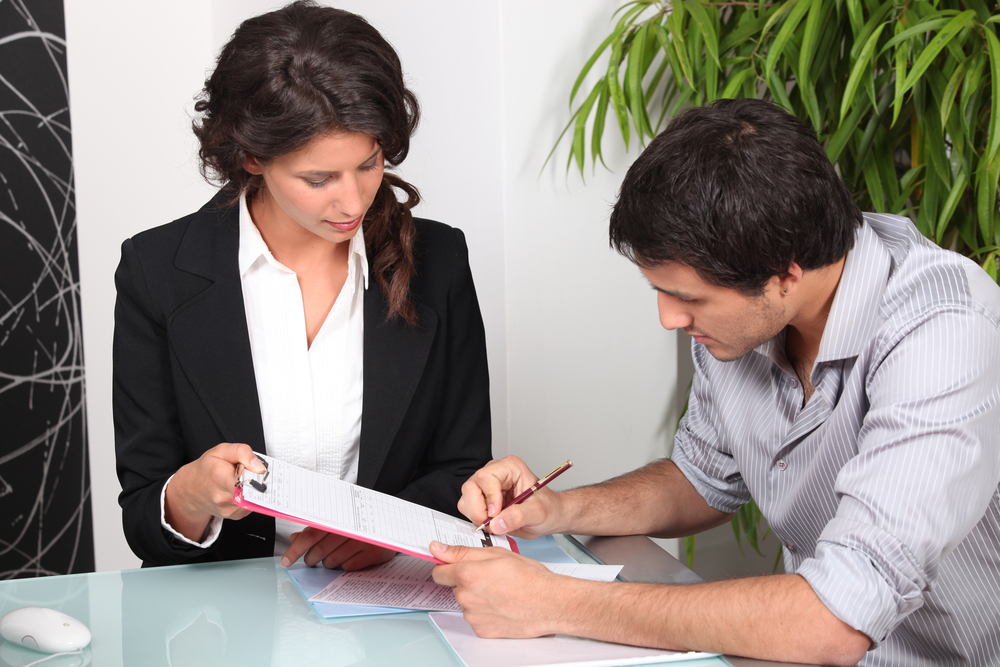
[254,507]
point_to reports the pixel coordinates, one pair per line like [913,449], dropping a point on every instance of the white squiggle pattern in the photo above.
[45,517]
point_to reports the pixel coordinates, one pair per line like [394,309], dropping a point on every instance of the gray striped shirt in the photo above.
[884,486]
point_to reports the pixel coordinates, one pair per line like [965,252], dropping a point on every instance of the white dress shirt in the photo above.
[310,395]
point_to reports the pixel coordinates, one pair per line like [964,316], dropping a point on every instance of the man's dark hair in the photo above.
[738,191]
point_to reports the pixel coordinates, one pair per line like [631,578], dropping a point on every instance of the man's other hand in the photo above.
[501,593]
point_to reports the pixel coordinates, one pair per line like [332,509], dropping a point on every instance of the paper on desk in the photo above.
[407,582]
[552,651]
[337,506]
[311,580]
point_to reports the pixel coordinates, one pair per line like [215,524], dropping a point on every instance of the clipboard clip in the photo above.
[260,486]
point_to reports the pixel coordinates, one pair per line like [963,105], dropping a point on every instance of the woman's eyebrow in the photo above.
[319,172]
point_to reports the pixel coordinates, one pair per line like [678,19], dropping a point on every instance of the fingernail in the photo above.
[285,562]
[501,524]
[257,466]
[438,546]
[491,509]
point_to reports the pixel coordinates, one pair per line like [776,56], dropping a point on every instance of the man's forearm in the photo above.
[777,617]
[656,499]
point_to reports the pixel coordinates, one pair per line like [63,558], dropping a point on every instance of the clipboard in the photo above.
[302,496]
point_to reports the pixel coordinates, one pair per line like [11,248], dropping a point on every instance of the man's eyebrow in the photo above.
[677,295]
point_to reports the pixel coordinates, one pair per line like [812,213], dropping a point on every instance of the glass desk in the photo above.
[249,613]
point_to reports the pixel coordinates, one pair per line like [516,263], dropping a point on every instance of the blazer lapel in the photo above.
[395,354]
[208,333]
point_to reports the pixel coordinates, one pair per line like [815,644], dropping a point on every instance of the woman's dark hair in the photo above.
[738,191]
[301,72]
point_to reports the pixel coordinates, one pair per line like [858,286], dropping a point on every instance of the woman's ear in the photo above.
[252,166]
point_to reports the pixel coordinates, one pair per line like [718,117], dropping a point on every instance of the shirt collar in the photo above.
[855,314]
[253,247]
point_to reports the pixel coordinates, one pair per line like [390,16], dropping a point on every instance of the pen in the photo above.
[527,494]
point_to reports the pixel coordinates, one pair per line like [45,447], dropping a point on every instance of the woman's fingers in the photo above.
[355,555]
[302,544]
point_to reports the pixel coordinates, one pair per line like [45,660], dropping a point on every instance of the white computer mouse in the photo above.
[45,630]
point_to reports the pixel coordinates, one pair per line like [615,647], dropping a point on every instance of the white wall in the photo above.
[591,374]
[579,366]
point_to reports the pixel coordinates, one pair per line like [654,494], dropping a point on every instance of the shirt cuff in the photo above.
[722,495]
[870,583]
[211,533]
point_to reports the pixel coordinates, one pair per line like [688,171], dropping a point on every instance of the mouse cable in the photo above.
[54,655]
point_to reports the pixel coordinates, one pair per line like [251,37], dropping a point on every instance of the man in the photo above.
[847,377]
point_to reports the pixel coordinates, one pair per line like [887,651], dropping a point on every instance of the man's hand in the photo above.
[204,488]
[315,546]
[498,483]
[502,594]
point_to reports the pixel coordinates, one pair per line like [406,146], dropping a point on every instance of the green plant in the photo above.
[900,92]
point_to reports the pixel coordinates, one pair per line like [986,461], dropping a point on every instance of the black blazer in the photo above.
[184,378]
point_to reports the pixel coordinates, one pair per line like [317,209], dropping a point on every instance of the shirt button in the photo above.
[792,383]
[792,548]
[781,464]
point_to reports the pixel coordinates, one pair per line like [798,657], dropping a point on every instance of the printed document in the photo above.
[337,506]
[407,582]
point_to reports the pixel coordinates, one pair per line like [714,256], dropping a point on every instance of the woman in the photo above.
[301,313]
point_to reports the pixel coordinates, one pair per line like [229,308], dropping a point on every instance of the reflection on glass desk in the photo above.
[249,613]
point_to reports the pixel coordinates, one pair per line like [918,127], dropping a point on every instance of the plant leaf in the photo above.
[633,81]
[900,60]
[777,88]
[858,72]
[689,550]
[993,48]
[810,40]
[735,82]
[590,63]
[838,141]
[950,204]
[855,16]
[597,132]
[873,22]
[785,33]
[740,34]
[874,183]
[616,93]
[948,101]
[776,16]
[707,28]
[873,124]
[920,28]
[678,69]
[986,193]
[935,46]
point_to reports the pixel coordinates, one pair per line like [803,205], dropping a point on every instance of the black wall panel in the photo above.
[45,513]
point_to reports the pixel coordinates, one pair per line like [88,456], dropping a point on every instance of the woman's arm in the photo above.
[458,437]
[149,442]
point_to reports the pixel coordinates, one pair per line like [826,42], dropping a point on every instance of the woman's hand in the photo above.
[497,484]
[203,489]
[315,546]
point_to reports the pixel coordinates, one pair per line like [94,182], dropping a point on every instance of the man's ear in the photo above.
[789,281]
[252,166]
